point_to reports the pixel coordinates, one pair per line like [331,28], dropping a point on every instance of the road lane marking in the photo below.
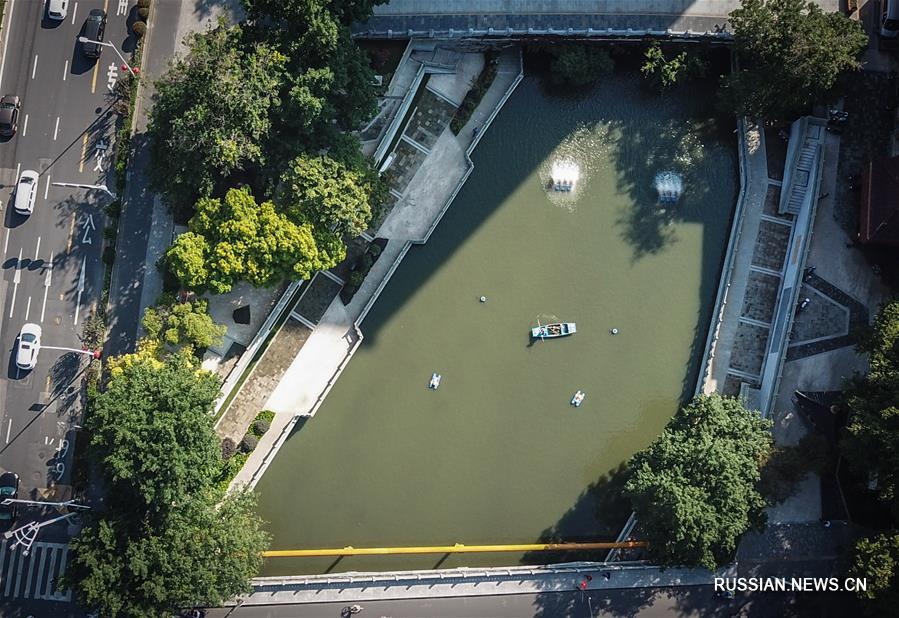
[18,170]
[122,8]
[94,78]
[47,280]
[56,130]
[8,429]
[6,39]
[6,243]
[74,10]
[34,68]
[71,235]
[87,226]
[47,188]
[83,153]
[25,126]
[105,6]
[27,308]
[80,289]
[65,71]
[15,280]
[37,250]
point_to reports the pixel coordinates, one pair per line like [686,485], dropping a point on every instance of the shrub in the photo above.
[143,4]
[356,278]
[260,427]
[143,13]
[139,29]
[374,250]
[229,449]
[248,443]
[109,254]
[265,415]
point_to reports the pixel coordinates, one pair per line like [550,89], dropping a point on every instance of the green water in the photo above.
[497,454]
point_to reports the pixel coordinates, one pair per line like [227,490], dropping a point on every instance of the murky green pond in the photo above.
[497,454]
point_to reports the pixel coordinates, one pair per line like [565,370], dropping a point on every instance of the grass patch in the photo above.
[475,94]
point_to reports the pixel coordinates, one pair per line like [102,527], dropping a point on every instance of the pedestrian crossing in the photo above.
[36,575]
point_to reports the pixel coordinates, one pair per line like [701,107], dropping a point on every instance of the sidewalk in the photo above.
[350,587]
[145,228]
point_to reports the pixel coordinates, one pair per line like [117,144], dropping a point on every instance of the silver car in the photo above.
[29,346]
[26,191]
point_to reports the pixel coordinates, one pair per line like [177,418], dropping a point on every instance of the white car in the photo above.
[29,346]
[26,191]
[57,9]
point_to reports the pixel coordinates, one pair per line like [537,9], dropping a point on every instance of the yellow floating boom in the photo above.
[458,548]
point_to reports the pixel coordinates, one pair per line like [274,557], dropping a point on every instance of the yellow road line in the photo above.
[71,234]
[458,548]
[94,78]
[83,154]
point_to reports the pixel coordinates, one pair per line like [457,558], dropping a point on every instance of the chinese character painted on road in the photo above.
[112,74]
[122,8]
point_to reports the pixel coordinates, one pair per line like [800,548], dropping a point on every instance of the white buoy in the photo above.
[614,331]
[483,299]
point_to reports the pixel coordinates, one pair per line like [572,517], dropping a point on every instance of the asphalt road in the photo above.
[52,272]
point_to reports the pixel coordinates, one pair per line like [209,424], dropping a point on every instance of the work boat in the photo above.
[550,331]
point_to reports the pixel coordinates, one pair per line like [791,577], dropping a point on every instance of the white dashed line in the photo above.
[6,243]
[56,130]
[37,249]
[8,429]
[65,71]
[25,126]
[46,190]
[15,280]
[34,68]
[74,10]
[27,308]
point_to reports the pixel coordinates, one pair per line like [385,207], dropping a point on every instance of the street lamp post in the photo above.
[68,503]
[26,535]
[103,188]
[84,39]
[94,353]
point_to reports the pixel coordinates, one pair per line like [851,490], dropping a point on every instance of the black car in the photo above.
[9,488]
[94,29]
[9,115]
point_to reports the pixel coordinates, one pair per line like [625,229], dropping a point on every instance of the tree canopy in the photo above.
[166,538]
[183,324]
[152,431]
[212,111]
[325,194]
[871,442]
[236,238]
[694,489]
[791,53]
[875,559]
[579,64]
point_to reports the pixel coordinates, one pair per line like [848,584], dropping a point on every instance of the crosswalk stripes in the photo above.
[42,567]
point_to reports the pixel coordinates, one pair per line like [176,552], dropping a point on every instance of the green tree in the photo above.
[871,442]
[326,194]
[663,71]
[875,559]
[234,239]
[203,552]
[212,112]
[152,433]
[694,489]
[579,65]
[791,53]
[183,324]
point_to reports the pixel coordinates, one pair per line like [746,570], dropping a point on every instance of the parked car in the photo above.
[29,346]
[57,9]
[9,488]
[94,29]
[26,192]
[9,115]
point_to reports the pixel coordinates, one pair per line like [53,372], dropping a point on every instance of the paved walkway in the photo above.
[470,582]
[455,18]
[419,207]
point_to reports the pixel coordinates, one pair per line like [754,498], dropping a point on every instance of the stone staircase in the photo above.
[804,157]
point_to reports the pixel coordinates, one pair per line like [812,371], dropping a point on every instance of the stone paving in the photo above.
[772,202]
[821,318]
[749,348]
[761,295]
[431,117]
[269,370]
[771,245]
[316,298]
